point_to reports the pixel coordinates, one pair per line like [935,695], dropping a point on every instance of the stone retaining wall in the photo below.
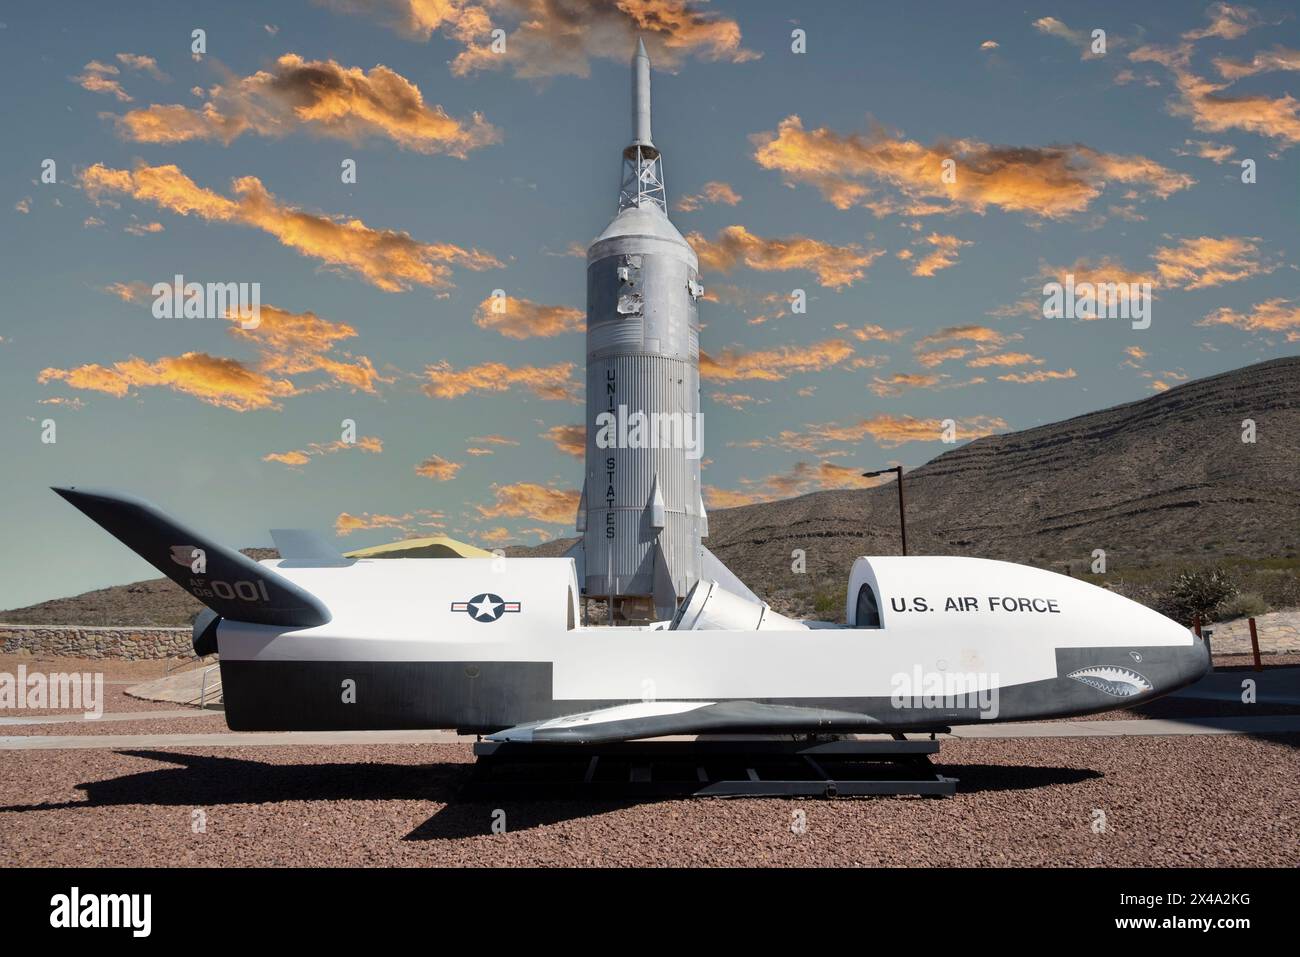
[76,641]
[1278,633]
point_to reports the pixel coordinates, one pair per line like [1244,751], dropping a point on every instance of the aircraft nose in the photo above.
[1193,661]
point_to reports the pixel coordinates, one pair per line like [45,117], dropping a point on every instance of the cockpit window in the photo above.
[868,612]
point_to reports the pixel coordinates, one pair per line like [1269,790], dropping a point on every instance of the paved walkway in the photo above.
[80,718]
[1279,631]
[228,739]
[1158,727]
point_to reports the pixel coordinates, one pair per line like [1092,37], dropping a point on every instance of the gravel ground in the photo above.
[1224,800]
[1221,800]
[115,700]
[118,676]
[113,669]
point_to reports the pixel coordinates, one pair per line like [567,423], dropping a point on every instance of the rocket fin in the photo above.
[704,516]
[712,569]
[303,548]
[580,522]
[656,505]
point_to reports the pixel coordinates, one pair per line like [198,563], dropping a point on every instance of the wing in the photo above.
[652,719]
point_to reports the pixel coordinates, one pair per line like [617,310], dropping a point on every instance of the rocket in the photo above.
[641,513]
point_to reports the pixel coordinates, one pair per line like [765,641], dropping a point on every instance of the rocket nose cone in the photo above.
[640,48]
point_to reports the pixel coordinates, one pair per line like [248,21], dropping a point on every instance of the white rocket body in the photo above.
[642,514]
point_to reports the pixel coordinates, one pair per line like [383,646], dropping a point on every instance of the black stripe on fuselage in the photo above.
[491,695]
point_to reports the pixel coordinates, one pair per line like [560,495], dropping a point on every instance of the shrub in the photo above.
[1245,604]
[1198,592]
[829,603]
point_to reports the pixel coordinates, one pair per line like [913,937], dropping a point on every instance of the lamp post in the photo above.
[902,520]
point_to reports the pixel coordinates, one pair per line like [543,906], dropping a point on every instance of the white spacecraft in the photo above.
[641,514]
[317,641]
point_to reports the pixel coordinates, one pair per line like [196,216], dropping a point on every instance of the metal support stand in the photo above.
[735,767]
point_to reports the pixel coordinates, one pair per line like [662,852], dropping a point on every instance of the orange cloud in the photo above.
[130,291]
[493,440]
[546,382]
[569,439]
[320,96]
[288,344]
[226,383]
[967,333]
[1041,375]
[1075,37]
[1226,23]
[517,318]
[942,256]
[714,192]
[438,468]
[390,260]
[1206,104]
[890,431]
[900,382]
[541,503]
[1136,356]
[1106,275]
[935,357]
[144,64]
[758,307]
[300,457]
[543,39]
[98,78]
[1207,261]
[800,479]
[736,400]
[293,458]
[300,343]
[874,333]
[1049,182]
[1215,152]
[1005,359]
[1273,315]
[773,365]
[1279,58]
[835,266]
[409,523]
[939,347]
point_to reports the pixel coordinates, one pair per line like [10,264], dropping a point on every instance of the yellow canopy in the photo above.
[439,546]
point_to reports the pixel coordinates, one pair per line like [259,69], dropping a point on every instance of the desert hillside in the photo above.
[1159,483]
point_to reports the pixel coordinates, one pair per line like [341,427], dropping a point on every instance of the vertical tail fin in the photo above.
[229,583]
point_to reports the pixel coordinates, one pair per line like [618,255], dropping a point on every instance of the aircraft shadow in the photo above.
[196,780]
[531,805]
[193,780]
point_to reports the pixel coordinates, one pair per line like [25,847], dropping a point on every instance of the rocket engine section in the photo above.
[642,515]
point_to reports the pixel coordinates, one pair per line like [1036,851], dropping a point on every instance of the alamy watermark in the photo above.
[948,691]
[621,429]
[60,691]
[179,299]
[1100,300]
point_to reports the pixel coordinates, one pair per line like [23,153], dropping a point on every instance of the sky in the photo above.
[878,194]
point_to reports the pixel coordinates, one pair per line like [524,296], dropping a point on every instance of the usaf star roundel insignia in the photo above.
[485,607]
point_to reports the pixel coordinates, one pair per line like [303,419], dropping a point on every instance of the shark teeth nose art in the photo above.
[1120,682]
